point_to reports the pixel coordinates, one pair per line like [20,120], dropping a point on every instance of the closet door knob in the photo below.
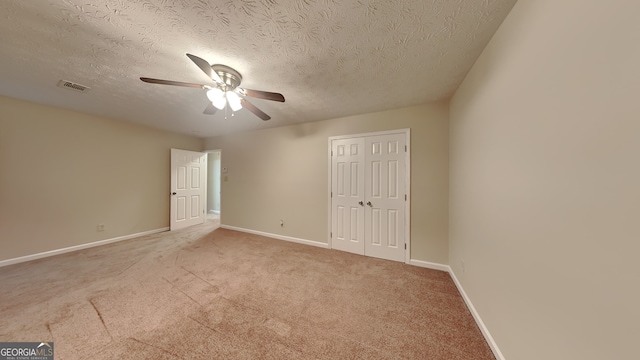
[369,203]
[361,203]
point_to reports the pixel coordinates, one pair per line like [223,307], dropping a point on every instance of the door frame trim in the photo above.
[407,180]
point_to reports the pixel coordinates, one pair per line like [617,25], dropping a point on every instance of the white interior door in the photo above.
[385,197]
[188,188]
[347,195]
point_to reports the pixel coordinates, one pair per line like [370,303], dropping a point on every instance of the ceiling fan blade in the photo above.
[259,113]
[206,67]
[259,94]
[170,82]
[210,110]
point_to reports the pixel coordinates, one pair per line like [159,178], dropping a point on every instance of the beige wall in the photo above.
[282,173]
[62,173]
[545,181]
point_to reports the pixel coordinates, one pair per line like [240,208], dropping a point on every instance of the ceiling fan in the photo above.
[226,89]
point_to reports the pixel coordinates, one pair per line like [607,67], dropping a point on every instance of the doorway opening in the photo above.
[214,161]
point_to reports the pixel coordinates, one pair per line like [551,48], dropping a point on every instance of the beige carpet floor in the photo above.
[200,293]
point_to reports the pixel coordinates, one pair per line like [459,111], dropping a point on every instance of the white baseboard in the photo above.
[428,265]
[77,247]
[279,237]
[485,332]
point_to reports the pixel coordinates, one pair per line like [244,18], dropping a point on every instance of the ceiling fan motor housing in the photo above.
[229,75]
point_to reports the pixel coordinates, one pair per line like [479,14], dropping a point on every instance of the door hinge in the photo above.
[405,246]
[405,148]
[331,235]
[405,197]
[332,153]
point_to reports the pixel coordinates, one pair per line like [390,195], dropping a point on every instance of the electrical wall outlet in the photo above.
[100,227]
[281,223]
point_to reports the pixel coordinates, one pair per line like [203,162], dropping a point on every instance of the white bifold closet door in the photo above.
[368,195]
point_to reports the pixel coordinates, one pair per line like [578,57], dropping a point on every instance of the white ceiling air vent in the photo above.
[66,84]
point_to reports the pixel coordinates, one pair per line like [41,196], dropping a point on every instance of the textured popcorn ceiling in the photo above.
[329,58]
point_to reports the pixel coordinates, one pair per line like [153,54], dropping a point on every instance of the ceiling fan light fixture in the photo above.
[234,100]
[226,89]
[217,98]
